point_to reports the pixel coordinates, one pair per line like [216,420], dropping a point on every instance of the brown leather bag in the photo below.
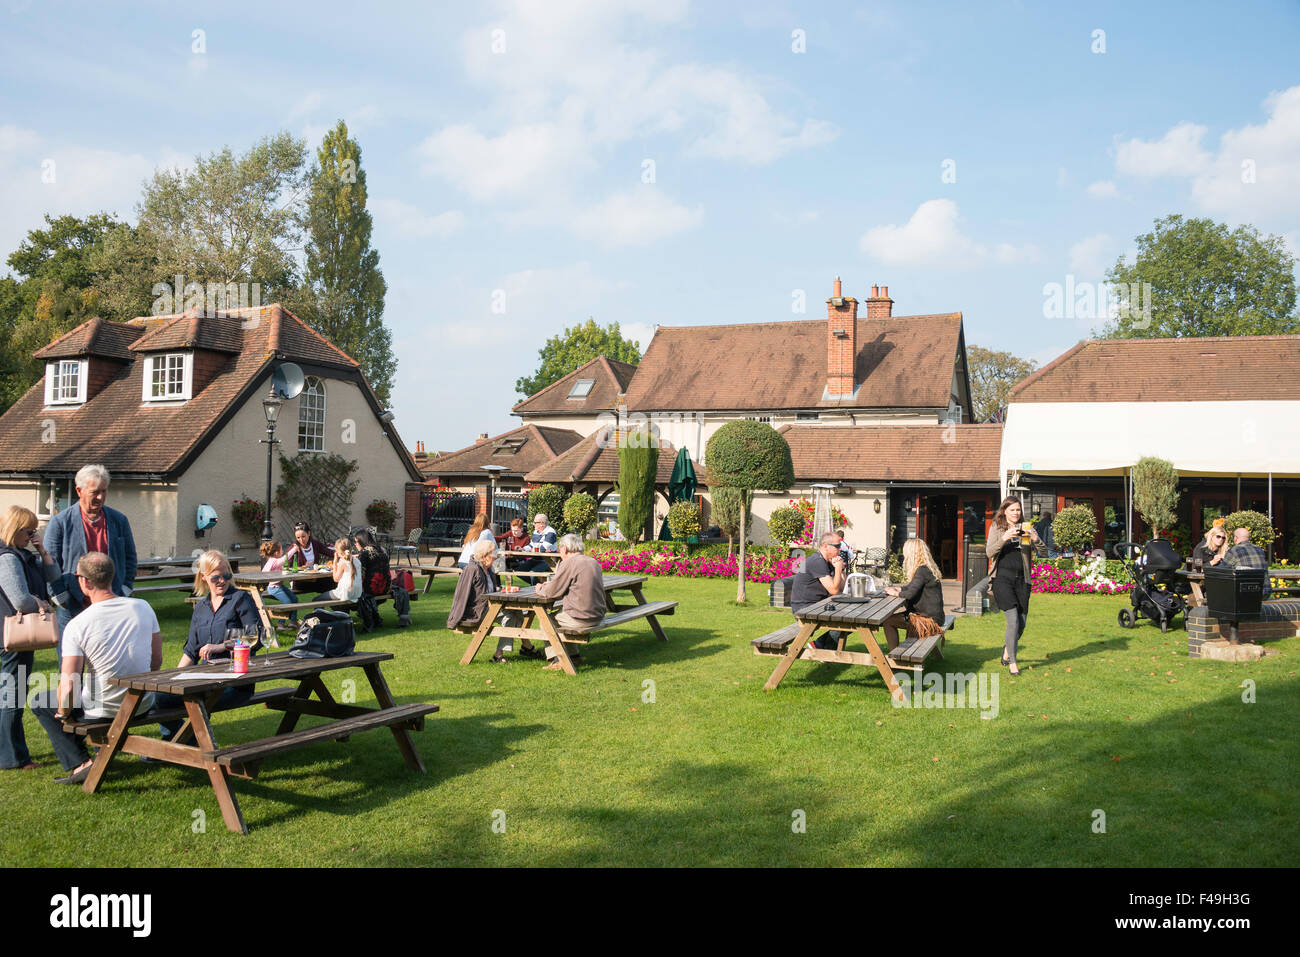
[32,631]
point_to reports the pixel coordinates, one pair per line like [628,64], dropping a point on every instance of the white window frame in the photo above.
[55,393]
[187,378]
[304,407]
[573,390]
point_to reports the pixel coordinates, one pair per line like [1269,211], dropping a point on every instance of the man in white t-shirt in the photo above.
[114,636]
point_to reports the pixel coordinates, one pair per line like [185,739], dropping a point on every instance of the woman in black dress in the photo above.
[921,591]
[1009,567]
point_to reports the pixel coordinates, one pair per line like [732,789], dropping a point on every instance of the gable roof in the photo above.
[902,362]
[95,337]
[1240,368]
[595,459]
[113,427]
[894,453]
[535,445]
[611,379]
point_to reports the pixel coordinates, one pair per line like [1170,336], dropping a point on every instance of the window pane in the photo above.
[311,416]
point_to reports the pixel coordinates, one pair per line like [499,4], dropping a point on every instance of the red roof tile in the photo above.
[533,445]
[595,459]
[611,379]
[895,453]
[95,337]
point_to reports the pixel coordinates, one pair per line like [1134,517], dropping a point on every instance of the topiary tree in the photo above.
[580,513]
[684,520]
[1074,528]
[751,456]
[638,464]
[1261,532]
[549,500]
[729,505]
[785,525]
[1155,492]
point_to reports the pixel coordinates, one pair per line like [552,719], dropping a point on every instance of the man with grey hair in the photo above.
[90,526]
[543,540]
[822,576]
[580,581]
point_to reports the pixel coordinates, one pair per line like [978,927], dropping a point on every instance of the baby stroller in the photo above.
[1157,592]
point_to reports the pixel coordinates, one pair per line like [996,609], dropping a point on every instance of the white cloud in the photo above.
[521,161]
[1103,189]
[637,217]
[933,237]
[1089,257]
[639,332]
[1177,153]
[408,222]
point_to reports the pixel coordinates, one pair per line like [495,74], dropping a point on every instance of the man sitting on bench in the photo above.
[579,580]
[821,577]
[116,636]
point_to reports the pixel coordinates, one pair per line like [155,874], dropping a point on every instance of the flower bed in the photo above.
[1050,580]
[758,568]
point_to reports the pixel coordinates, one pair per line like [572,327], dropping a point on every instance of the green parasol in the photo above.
[681,487]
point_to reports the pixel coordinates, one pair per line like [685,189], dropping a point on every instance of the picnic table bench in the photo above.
[200,687]
[539,609]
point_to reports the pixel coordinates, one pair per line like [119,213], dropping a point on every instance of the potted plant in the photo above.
[249,515]
[684,521]
[382,514]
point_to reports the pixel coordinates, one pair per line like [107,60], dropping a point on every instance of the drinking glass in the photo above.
[269,641]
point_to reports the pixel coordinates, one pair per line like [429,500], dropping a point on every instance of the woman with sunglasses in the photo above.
[27,575]
[221,607]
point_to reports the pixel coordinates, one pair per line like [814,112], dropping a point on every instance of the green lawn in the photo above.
[714,771]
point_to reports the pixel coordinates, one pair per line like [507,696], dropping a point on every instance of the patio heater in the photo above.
[822,518]
[271,408]
[493,471]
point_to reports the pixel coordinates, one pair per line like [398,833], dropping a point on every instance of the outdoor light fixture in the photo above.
[271,407]
[493,471]
[876,506]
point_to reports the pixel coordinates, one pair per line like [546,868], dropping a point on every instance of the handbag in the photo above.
[326,634]
[32,631]
[404,579]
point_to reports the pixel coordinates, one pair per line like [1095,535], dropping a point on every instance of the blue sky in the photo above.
[516,176]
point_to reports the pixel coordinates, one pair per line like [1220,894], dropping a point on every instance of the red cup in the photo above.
[240,659]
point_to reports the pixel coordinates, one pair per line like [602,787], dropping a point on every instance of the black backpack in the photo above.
[325,634]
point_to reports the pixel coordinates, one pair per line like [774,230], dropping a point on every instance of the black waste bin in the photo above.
[1235,594]
[976,570]
[778,594]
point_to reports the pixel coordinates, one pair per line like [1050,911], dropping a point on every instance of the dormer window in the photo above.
[507,446]
[168,377]
[581,388]
[65,382]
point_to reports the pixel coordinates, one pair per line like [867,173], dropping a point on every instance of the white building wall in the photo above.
[584,425]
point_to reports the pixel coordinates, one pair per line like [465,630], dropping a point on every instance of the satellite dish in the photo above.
[287,380]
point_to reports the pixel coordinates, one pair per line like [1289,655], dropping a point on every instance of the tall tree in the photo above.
[749,456]
[229,219]
[343,297]
[52,292]
[992,374]
[575,347]
[1207,280]
[638,465]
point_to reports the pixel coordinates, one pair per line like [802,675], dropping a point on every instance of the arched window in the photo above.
[311,416]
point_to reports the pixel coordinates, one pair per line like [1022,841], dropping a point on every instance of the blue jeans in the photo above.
[70,749]
[284,597]
[534,565]
[15,667]
[230,698]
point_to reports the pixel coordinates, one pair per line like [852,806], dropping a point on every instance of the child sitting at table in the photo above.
[273,561]
[347,572]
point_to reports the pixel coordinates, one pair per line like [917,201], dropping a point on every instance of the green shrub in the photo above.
[684,519]
[785,525]
[726,511]
[549,500]
[638,461]
[896,567]
[1261,532]
[579,513]
[1155,492]
[1074,528]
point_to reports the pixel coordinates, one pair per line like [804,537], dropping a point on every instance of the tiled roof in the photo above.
[113,427]
[192,331]
[894,453]
[533,446]
[902,362]
[1168,370]
[588,461]
[96,337]
[611,380]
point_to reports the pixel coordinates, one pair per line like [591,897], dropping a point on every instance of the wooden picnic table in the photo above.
[836,612]
[195,744]
[183,562]
[255,583]
[541,610]
[1196,579]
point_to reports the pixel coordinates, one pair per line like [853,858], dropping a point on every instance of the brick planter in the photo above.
[1208,638]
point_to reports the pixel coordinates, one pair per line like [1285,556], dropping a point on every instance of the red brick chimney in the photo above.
[421,457]
[841,342]
[880,306]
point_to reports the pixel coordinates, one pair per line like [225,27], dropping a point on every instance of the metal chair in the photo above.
[412,547]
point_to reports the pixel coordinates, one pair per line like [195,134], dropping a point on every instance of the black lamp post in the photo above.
[271,407]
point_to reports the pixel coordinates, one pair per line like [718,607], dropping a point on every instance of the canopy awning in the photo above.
[1227,439]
